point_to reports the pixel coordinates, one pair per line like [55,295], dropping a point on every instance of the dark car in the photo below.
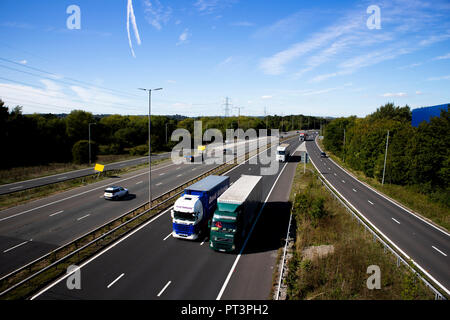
[323,155]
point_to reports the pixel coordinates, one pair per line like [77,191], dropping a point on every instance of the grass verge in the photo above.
[22,197]
[27,173]
[320,220]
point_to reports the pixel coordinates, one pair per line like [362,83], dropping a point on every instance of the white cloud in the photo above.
[399,94]
[419,92]
[439,78]
[183,38]
[266,97]
[23,61]
[132,18]
[275,64]
[210,6]
[156,14]
[242,24]
[447,56]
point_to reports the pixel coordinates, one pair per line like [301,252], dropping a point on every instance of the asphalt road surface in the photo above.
[150,264]
[30,231]
[428,246]
[38,182]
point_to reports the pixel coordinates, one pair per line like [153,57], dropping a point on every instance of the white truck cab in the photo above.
[186,214]
[282,152]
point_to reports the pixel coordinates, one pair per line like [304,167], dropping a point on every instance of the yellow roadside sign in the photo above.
[201,148]
[99,167]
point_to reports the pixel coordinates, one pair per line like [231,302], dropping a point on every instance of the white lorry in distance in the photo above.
[282,152]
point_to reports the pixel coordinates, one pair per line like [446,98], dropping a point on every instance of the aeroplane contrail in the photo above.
[130,16]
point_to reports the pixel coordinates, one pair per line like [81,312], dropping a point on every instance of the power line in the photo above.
[98,102]
[71,79]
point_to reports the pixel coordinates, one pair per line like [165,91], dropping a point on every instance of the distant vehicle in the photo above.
[189,158]
[323,155]
[114,193]
[236,211]
[303,136]
[195,207]
[282,152]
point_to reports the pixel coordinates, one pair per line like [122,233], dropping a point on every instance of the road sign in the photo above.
[99,167]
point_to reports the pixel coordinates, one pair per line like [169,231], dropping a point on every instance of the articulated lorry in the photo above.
[282,152]
[196,206]
[236,211]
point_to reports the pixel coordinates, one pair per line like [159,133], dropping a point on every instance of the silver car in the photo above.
[114,193]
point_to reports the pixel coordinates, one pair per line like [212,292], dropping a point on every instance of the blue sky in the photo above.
[290,57]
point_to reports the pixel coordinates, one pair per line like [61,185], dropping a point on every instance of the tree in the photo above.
[78,124]
[80,151]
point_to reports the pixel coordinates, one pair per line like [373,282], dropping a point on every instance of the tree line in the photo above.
[39,139]
[416,156]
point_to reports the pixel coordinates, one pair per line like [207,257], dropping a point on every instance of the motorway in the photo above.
[150,264]
[427,245]
[38,182]
[30,231]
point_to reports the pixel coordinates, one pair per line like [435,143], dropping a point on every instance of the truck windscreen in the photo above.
[282,153]
[187,216]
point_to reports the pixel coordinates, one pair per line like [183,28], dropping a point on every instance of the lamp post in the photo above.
[149,143]
[90,124]
[385,156]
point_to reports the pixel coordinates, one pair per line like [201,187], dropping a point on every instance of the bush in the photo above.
[113,148]
[80,152]
[139,150]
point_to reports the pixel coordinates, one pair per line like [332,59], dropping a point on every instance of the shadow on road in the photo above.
[270,231]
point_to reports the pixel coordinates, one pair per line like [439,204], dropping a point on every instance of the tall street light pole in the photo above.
[90,124]
[149,143]
[385,156]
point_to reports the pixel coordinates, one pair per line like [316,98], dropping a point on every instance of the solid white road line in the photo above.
[19,245]
[179,175]
[161,174]
[139,182]
[395,220]
[54,214]
[65,177]
[14,188]
[370,202]
[354,190]
[233,267]
[158,184]
[439,251]
[167,236]
[83,217]
[117,279]
[163,289]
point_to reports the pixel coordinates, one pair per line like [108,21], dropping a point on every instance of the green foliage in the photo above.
[310,206]
[80,152]
[50,138]
[416,156]
[139,150]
